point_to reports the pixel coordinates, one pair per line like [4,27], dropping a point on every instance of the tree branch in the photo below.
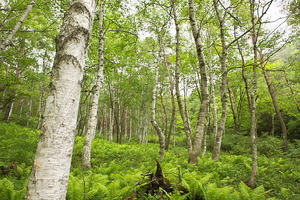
[17,26]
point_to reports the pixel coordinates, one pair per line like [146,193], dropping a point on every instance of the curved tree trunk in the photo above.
[93,112]
[51,169]
[193,155]
[276,106]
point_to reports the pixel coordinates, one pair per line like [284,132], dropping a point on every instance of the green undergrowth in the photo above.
[117,169]
[17,147]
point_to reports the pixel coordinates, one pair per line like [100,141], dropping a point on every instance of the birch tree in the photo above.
[157,128]
[184,117]
[51,168]
[253,96]
[93,113]
[223,60]
[275,104]
[195,151]
[9,38]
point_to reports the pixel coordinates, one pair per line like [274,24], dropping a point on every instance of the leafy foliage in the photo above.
[18,144]
[8,192]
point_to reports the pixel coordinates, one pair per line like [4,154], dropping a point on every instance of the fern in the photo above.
[245,191]
[7,191]
[75,189]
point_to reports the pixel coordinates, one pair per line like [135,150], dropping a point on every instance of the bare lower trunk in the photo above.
[253,97]
[253,135]
[93,112]
[153,117]
[111,124]
[9,110]
[184,118]
[193,157]
[233,110]
[173,113]
[212,100]
[223,60]
[50,172]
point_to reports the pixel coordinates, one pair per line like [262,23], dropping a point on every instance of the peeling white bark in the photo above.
[50,173]
[93,113]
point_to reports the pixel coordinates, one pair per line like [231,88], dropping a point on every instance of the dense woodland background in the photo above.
[148,67]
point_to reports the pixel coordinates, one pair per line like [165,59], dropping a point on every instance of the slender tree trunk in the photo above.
[276,106]
[158,130]
[193,156]
[51,169]
[14,92]
[173,112]
[212,102]
[223,59]
[253,97]
[9,38]
[184,118]
[93,112]
[42,103]
[243,63]
[111,124]
[9,110]
[233,109]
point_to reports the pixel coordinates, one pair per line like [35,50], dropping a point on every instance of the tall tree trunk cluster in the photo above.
[119,119]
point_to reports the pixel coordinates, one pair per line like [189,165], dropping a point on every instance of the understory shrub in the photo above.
[270,146]
[18,144]
[117,169]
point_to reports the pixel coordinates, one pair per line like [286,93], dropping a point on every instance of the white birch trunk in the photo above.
[111,125]
[51,169]
[253,96]
[17,27]
[223,60]
[93,113]
[184,118]
[193,155]
[157,128]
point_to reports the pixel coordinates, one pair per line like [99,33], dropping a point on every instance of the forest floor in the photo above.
[119,171]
